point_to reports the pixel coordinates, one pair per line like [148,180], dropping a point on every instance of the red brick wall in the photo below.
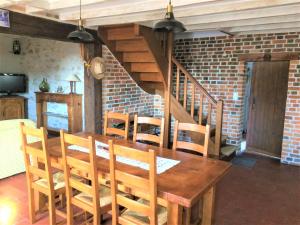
[291,135]
[214,62]
[120,93]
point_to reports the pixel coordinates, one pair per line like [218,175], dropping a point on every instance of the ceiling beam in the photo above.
[270,31]
[274,26]
[21,24]
[127,7]
[38,6]
[188,17]
[245,22]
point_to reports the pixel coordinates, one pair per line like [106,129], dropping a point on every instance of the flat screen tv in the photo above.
[12,83]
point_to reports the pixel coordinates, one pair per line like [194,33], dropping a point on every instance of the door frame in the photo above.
[265,57]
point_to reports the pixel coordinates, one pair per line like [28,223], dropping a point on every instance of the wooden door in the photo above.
[267,106]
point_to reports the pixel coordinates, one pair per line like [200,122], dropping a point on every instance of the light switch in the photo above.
[235,96]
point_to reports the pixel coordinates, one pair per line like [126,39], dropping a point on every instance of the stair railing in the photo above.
[212,104]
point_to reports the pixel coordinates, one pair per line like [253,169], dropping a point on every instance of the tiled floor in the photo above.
[266,194]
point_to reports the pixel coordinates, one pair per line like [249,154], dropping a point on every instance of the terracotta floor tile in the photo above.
[267,194]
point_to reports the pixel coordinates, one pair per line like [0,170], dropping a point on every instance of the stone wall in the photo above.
[214,63]
[41,58]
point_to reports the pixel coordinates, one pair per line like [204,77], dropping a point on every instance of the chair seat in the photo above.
[58,181]
[105,196]
[135,217]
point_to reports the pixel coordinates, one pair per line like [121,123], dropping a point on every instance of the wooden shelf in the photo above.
[52,114]
[73,102]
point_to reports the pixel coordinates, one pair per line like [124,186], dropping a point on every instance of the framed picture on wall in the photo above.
[4,18]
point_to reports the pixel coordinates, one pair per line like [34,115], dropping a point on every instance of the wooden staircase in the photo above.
[143,55]
[134,47]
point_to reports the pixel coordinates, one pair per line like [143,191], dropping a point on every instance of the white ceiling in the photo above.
[204,17]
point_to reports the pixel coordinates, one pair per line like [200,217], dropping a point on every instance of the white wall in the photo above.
[41,58]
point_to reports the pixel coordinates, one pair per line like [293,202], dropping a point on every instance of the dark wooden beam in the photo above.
[22,24]
[278,56]
[92,93]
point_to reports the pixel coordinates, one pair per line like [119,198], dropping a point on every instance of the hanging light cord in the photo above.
[80,10]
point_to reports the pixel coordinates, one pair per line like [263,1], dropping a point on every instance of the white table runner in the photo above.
[162,164]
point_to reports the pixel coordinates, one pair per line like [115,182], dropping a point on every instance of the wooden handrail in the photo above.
[211,103]
[194,81]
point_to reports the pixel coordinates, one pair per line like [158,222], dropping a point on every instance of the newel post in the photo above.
[219,121]
[168,92]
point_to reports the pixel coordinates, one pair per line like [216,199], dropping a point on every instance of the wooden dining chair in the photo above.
[144,210]
[203,149]
[39,174]
[139,136]
[113,116]
[94,198]
[202,130]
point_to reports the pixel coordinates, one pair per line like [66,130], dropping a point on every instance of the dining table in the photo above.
[181,186]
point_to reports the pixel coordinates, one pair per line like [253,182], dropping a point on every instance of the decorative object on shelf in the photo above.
[73,79]
[60,89]
[4,18]
[16,47]
[169,23]
[44,85]
[80,35]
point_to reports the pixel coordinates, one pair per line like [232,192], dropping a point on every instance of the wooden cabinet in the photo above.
[12,107]
[74,104]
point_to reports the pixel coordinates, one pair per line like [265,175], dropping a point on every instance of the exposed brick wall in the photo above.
[214,63]
[120,93]
[291,135]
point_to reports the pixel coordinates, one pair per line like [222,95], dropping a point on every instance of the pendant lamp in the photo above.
[80,35]
[169,23]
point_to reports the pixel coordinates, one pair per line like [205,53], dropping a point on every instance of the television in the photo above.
[12,83]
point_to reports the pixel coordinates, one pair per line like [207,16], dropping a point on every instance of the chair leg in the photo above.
[69,214]
[52,213]
[187,219]
[31,205]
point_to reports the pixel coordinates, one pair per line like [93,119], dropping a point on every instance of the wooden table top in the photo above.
[183,184]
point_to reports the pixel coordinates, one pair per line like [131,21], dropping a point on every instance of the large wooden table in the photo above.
[181,186]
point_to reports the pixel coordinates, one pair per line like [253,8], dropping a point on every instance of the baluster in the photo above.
[185,91]
[193,100]
[201,109]
[209,114]
[177,84]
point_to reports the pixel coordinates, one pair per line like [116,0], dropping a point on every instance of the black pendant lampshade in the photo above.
[80,35]
[169,23]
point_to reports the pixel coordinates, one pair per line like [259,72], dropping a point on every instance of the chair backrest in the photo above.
[83,168]
[36,155]
[204,130]
[108,117]
[146,185]
[148,137]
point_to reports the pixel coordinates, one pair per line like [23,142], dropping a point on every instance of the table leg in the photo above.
[208,206]
[174,214]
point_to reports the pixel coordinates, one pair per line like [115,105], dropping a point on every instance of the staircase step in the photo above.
[152,87]
[144,67]
[152,77]
[138,57]
[228,150]
[121,33]
[137,45]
